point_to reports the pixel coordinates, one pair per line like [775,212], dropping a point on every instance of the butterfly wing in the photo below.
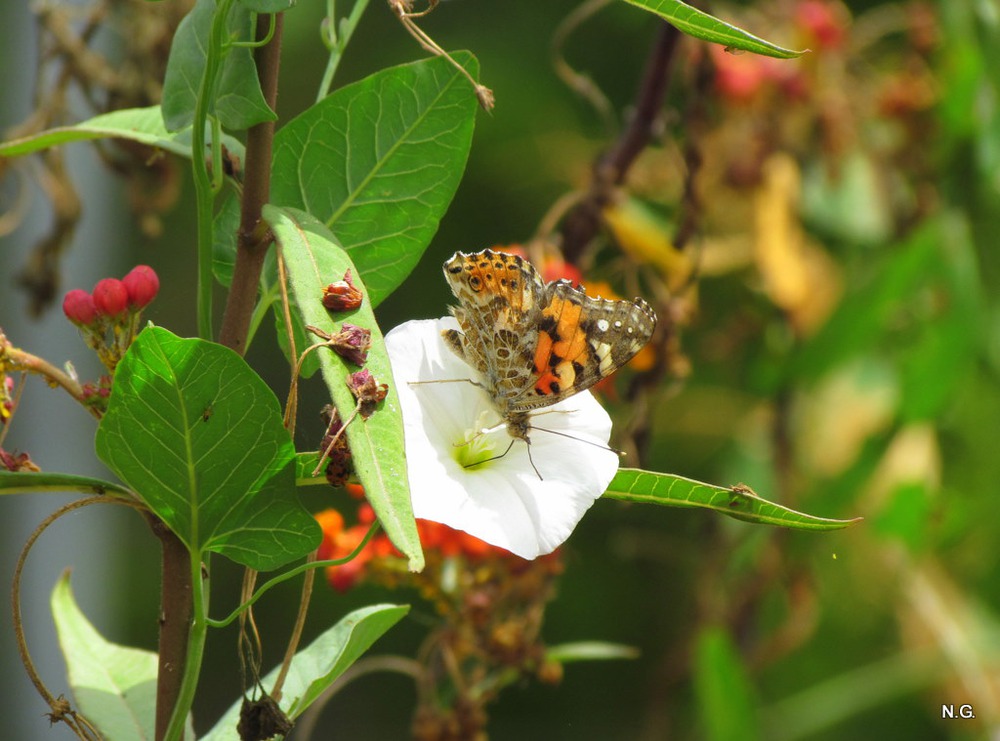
[581,340]
[500,296]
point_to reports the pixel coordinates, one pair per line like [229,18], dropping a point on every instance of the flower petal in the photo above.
[502,501]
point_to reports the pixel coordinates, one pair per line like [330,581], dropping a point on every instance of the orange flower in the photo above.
[339,542]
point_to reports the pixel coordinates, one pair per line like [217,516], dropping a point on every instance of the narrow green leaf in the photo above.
[633,485]
[566,653]
[703,26]
[198,436]
[114,686]
[143,125]
[379,161]
[238,102]
[34,483]
[318,665]
[725,696]
[314,260]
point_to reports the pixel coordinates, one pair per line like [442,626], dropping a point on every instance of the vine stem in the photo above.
[60,708]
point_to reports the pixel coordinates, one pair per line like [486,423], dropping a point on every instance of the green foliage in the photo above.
[725,696]
[236,99]
[319,665]
[114,686]
[703,26]
[314,260]
[648,487]
[27,482]
[142,125]
[378,162]
[198,436]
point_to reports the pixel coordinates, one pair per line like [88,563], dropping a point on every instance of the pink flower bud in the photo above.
[110,297]
[79,308]
[142,285]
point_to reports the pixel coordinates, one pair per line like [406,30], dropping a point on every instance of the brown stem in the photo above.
[300,621]
[253,237]
[613,165]
[176,611]
[176,596]
[12,358]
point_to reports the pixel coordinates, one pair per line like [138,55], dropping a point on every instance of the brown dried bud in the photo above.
[351,342]
[338,466]
[367,391]
[341,295]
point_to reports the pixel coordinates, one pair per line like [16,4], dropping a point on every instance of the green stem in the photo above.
[292,573]
[339,43]
[203,184]
[195,652]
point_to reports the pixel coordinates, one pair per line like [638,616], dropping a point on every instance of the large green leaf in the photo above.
[143,125]
[379,161]
[114,686]
[633,485]
[314,260]
[237,102]
[318,665]
[703,26]
[198,435]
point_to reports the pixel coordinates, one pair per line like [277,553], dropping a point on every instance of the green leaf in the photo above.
[143,125]
[114,686]
[33,483]
[267,6]
[725,696]
[237,102]
[566,653]
[317,666]
[633,485]
[702,26]
[314,260]
[198,436]
[379,161]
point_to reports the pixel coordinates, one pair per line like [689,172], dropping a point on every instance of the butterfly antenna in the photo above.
[621,453]
[444,380]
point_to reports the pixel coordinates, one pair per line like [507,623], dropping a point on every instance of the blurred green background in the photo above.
[840,354]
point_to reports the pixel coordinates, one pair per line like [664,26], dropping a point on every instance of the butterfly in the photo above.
[532,343]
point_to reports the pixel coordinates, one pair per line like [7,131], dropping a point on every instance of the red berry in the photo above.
[79,308]
[110,297]
[142,285]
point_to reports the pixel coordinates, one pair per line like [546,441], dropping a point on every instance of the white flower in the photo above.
[501,501]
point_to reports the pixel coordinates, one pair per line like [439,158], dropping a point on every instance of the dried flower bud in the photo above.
[79,308]
[341,295]
[351,342]
[338,466]
[142,285]
[367,391]
[19,463]
[110,297]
